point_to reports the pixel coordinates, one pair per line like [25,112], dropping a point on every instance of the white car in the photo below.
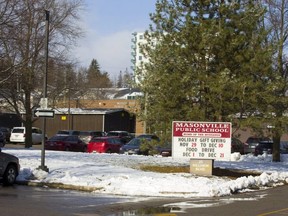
[18,135]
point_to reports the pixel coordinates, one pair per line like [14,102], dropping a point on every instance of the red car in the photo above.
[105,145]
[66,143]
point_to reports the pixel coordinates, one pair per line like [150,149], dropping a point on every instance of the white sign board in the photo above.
[201,140]
[43,103]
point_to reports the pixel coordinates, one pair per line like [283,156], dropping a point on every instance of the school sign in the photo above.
[201,140]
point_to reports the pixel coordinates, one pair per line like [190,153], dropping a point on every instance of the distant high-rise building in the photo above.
[137,57]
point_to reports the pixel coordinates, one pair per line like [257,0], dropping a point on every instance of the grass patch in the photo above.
[233,174]
[166,169]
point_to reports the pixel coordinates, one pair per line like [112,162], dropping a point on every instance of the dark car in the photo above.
[86,136]
[9,168]
[123,135]
[66,143]
[68,132]
[7,132]
[284,147]
[264,147]
[166,150]
[237,146]
[105,145]
[252,142]
[134,147]
[2,139]
[148,136]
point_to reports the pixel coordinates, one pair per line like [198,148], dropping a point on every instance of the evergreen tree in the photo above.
[93,73]
[120,80]
[96,78]
[208,63]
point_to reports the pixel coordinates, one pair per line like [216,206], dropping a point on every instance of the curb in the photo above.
[58,186]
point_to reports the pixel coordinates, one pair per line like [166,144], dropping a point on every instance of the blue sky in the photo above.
[109,25]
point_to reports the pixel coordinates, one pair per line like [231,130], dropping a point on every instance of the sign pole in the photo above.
[43,167]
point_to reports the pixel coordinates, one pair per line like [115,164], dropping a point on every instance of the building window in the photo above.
[131,97]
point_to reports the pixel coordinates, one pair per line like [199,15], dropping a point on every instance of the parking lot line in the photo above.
[277,212]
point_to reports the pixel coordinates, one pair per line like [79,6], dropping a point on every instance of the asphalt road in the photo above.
[23,200]
[34,201]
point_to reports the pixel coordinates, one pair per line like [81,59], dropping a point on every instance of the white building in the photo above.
[137,57]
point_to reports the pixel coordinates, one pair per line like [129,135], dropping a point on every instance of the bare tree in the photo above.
[22,42]
[7,18]
[276,20]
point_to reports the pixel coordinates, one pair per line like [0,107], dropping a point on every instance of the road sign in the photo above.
[43,103]
[44,113]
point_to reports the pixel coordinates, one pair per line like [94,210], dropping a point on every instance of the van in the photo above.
[18,135]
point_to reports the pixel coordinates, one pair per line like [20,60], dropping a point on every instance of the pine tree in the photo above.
[120,80]
[93,73]
[209,62]
[96,78]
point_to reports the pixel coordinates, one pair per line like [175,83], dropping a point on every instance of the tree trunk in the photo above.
[28,121]
[276,145]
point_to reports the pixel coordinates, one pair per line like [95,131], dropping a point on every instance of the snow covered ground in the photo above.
[118,174]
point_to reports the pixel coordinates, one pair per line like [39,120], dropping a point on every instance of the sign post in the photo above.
[44,100]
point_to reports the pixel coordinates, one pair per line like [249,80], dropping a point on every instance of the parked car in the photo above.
[7,132]
[68,132]
[123,135]
[148,136]
[134,147]
[166,150]
[105,145]
[237,146]
[264,146]
[252,142]
[66,143]
[86,136]
[2,139]
[284,147]
[18,135]
[9,168]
